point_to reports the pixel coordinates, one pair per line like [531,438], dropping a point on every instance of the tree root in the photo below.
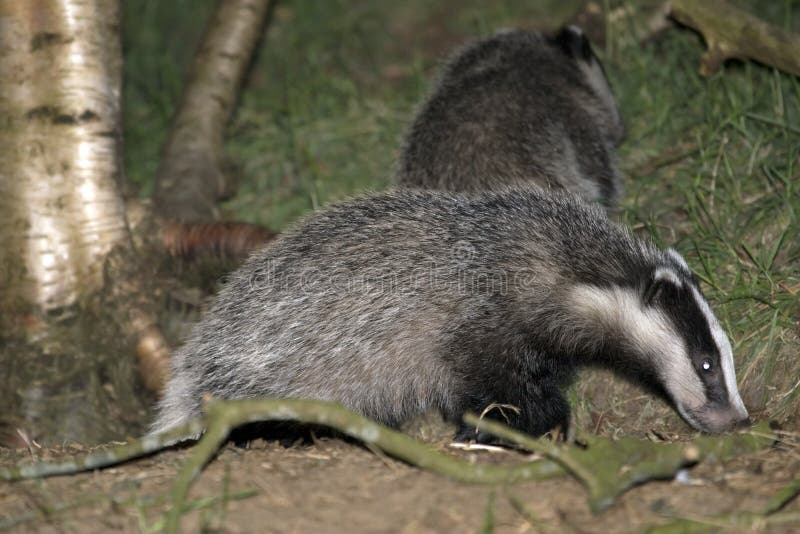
[221,240]
[191,175]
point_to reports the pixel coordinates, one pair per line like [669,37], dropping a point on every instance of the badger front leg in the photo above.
[534,407]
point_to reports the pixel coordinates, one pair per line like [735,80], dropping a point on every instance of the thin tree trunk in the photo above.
[190,179]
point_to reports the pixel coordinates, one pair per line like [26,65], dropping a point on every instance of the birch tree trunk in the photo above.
[59,150]
[64,239]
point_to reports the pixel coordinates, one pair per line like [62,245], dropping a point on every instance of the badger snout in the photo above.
[716,419]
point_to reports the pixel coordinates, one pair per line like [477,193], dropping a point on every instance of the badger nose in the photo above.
[742,423]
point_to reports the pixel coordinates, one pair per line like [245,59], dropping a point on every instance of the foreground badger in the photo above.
[404,302]
[518,107]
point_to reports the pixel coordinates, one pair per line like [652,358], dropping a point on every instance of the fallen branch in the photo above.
[609,468]
[731,32]
[224,416]
[104,458]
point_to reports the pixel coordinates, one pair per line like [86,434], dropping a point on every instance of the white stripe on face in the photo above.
[725,351]
[650,335]
[662,273]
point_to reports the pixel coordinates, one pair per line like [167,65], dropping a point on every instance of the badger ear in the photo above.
[574,42]
[663,282]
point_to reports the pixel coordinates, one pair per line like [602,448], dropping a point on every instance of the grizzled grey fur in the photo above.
[518,107]
[408,301]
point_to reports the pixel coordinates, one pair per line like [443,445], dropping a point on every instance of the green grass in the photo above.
[335,84]
[732,205]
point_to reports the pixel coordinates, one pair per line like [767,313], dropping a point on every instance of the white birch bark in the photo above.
[60,146]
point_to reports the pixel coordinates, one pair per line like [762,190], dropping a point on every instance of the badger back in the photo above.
[518,107]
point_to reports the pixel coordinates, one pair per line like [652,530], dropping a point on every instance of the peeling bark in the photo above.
[190,177]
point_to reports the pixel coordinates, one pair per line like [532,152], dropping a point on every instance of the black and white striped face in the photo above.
[668,329]
[698,370]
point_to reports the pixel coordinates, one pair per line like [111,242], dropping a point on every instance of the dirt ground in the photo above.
[331,485]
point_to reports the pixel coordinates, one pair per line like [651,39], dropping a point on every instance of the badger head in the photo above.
[698,371]
[662,334]
[575,45]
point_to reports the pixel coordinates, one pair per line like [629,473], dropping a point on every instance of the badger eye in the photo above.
[707,365]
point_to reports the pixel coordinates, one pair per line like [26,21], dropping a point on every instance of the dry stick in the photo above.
[731,32]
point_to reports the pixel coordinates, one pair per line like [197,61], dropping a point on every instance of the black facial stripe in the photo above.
[680,306]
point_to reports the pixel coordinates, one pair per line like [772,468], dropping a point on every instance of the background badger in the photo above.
[403,302]
[514,108]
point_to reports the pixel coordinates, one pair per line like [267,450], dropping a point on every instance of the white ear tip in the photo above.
[667,274]
[676,256]
[575,29]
